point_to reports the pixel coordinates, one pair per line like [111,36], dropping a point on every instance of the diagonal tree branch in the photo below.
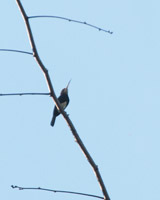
[71,20]
[56,191]
[50,87]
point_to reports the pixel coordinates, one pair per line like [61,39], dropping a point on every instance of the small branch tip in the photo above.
[70,20]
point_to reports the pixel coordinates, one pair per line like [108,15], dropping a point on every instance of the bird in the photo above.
[63,100]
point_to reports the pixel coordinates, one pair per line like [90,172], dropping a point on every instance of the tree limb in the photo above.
[71,20]
[21,94]
[17,51]
[56,191]
[50,87]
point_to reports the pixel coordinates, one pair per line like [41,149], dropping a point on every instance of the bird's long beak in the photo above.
[68,84]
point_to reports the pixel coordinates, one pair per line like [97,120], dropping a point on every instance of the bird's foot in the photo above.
[66,113]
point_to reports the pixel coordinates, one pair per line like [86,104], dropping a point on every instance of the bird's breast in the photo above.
[64,104]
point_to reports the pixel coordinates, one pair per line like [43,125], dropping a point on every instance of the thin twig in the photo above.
[20,94]
[56,191]
[17,51]
[71,20]
[51,90]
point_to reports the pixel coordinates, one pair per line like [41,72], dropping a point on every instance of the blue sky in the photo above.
[114,99]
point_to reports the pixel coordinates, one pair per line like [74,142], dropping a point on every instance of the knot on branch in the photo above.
[96,168]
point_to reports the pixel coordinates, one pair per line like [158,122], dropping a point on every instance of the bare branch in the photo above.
[71,20]
[56,191]
[20,94]
[17,51]
[50,87]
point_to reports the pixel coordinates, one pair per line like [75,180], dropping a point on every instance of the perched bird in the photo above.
[63,100]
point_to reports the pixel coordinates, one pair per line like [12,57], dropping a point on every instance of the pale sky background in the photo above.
[114,99]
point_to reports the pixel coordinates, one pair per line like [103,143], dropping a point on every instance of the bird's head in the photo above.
[65,90]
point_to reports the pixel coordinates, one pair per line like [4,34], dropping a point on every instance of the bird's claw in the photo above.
[66,113]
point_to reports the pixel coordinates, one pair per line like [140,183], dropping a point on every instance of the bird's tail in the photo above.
[53,120]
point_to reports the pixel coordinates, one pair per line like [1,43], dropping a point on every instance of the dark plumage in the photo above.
[63,100]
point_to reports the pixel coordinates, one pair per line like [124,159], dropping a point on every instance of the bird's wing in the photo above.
[63,101]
